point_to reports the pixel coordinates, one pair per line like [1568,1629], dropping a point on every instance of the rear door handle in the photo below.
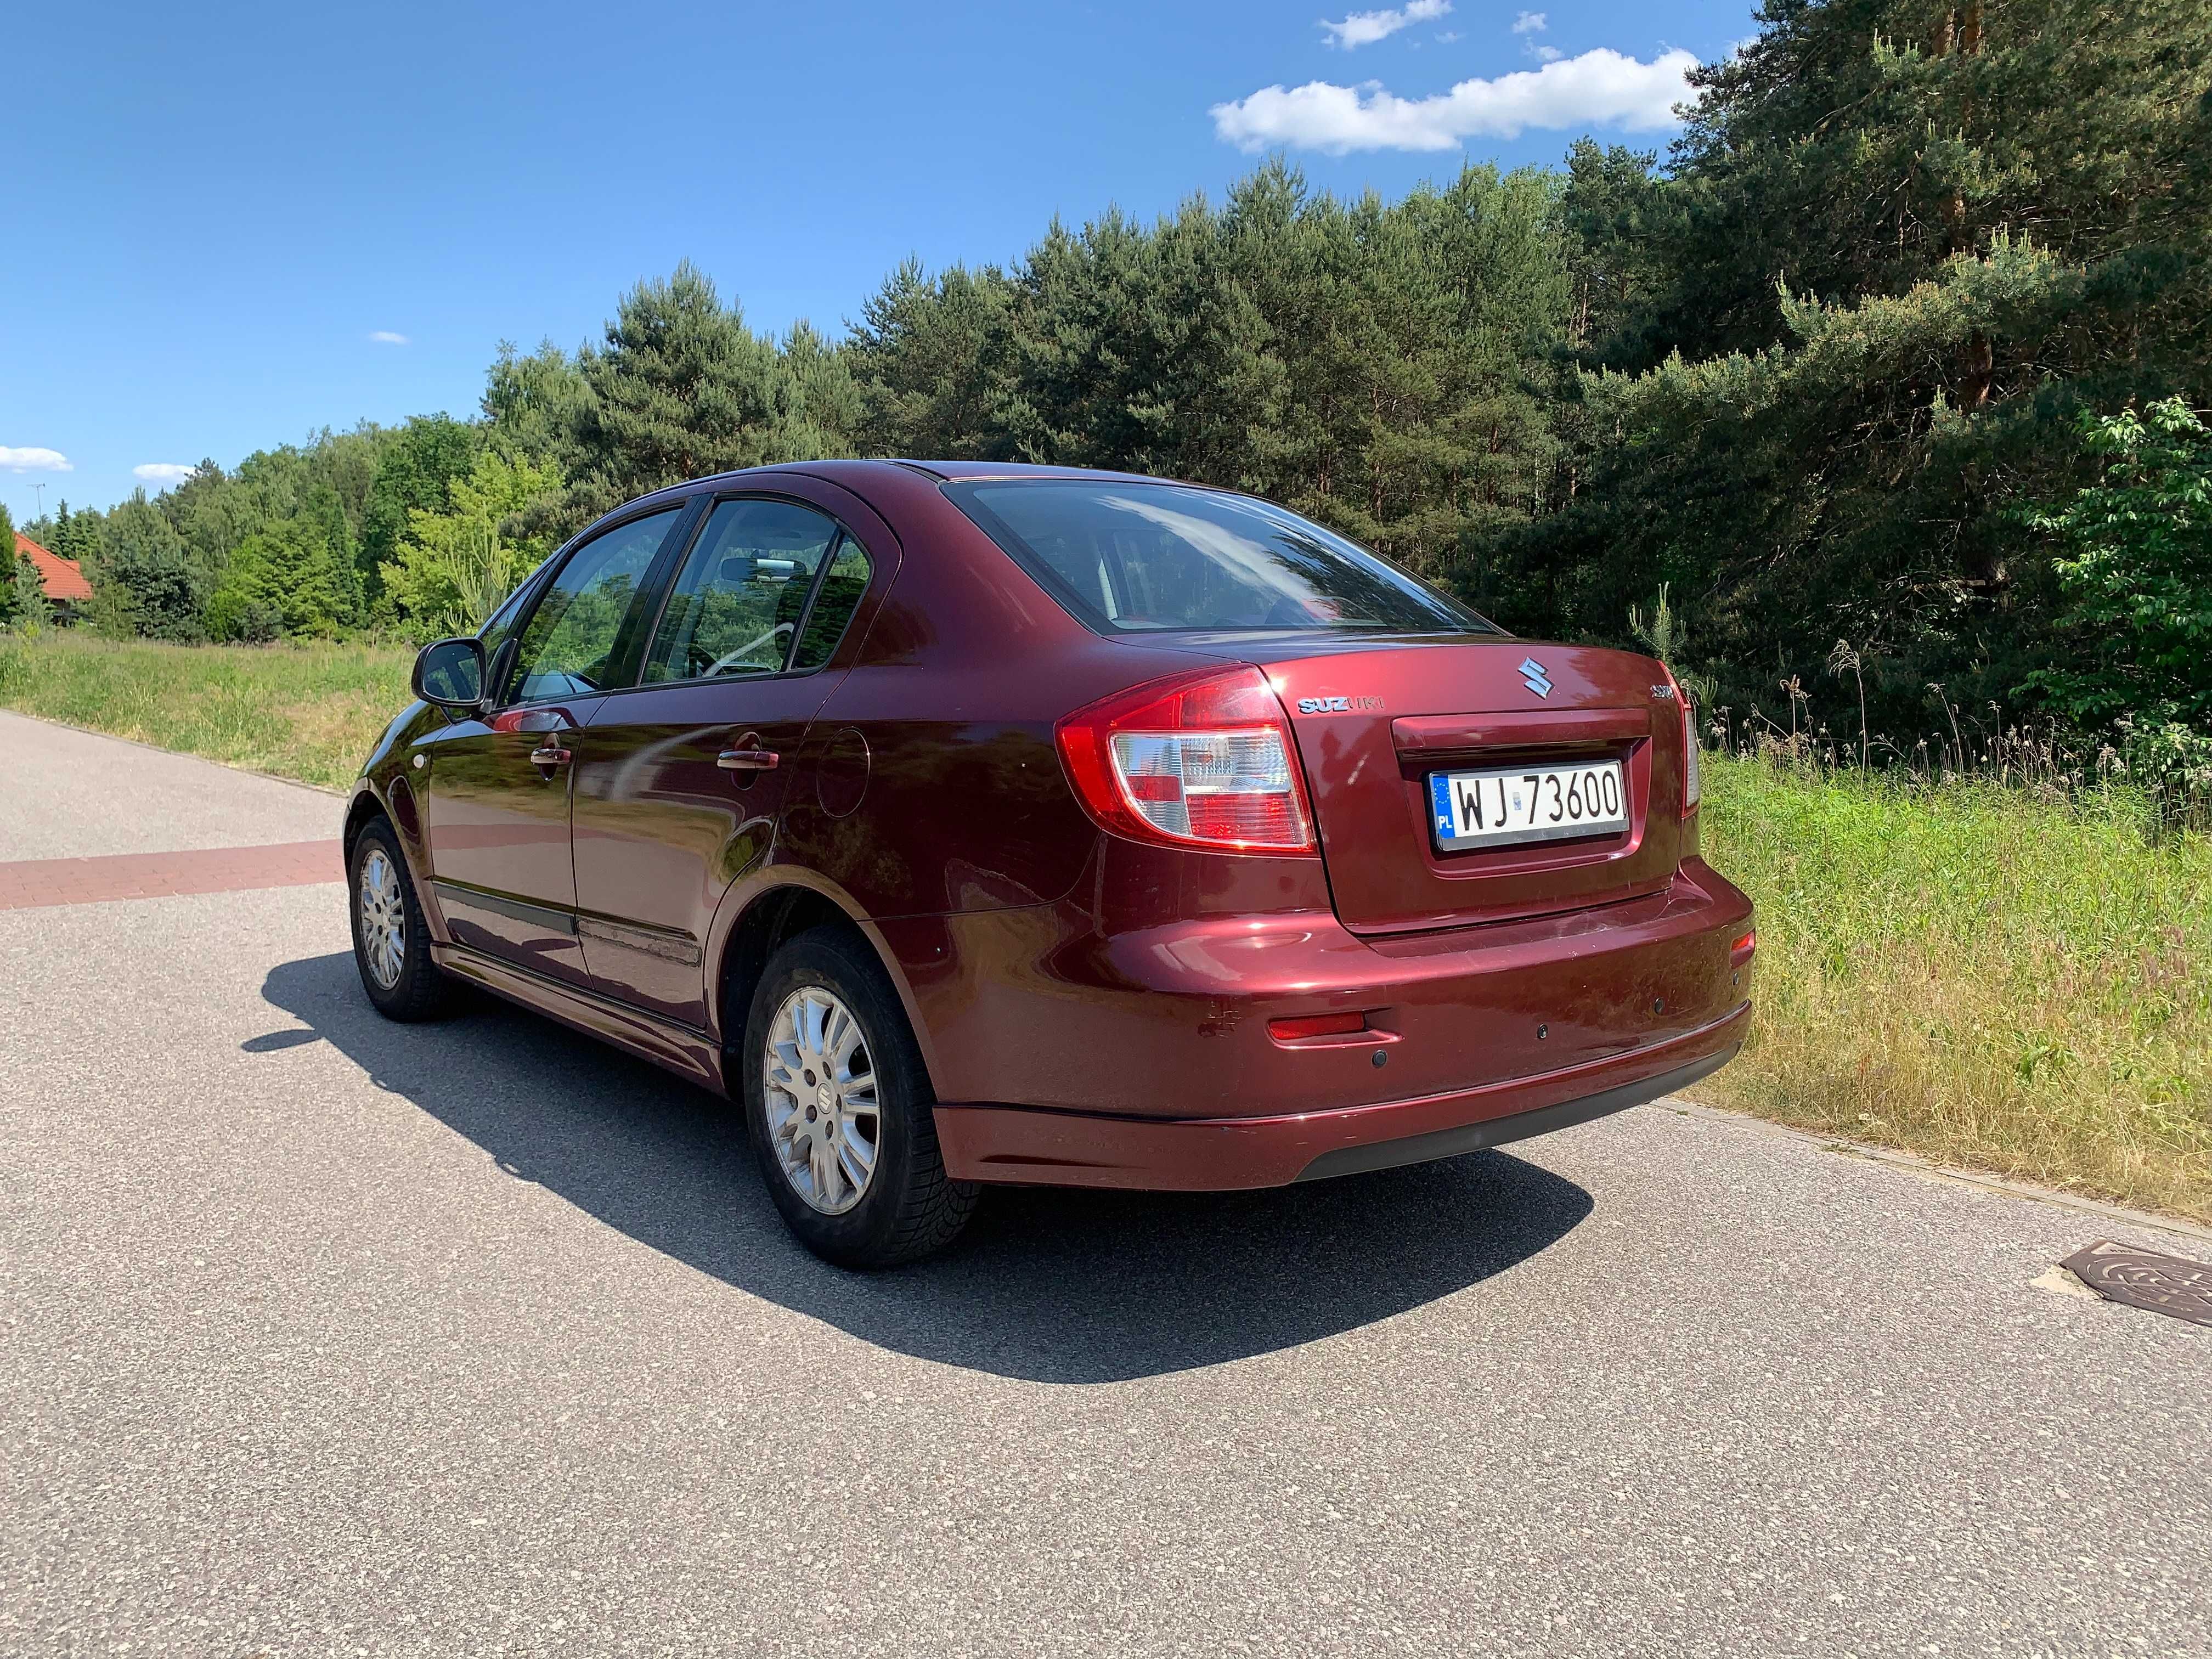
[748,760]
[549,755]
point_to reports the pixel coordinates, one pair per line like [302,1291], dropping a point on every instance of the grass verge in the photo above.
[1977,976]
[1964,972]
[304,712]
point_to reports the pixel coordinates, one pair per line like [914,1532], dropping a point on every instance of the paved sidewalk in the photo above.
[67,794]
[28,883]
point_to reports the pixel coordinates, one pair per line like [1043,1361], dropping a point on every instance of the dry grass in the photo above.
[304,712]
[1966,971]
[1984,978]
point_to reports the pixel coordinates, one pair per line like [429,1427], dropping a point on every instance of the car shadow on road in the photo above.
[1048,1284]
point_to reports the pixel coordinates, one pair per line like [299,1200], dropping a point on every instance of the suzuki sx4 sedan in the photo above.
[969,823]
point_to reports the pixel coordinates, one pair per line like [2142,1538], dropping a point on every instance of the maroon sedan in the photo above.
[973,823]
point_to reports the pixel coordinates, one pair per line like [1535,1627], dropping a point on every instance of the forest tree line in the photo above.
[1903,344]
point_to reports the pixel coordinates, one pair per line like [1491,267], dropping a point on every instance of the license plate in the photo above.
[1504,804]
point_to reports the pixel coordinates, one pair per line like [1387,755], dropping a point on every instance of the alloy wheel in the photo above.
[823,1121]
[383,918]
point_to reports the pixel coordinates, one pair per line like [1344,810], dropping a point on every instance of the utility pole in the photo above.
[41,488]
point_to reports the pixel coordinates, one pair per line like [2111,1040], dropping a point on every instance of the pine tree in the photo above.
[288,579]
[932,356]
[531,404]
[682,388]
[1903,248]
[76,535]
[147,579]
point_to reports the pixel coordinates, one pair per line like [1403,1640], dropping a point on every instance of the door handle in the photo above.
[749,760]
[550,755]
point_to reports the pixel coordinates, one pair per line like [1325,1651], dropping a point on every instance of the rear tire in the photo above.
[838,1108]
[391,939]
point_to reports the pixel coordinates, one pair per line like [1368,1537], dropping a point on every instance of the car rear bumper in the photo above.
[1041,1010]
[1080,1149]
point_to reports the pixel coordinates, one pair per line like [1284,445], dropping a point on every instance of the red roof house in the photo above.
[64,583]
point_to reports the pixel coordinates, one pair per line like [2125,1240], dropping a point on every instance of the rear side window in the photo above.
[1136,557]
[847,578]
[736,607]
[768,586]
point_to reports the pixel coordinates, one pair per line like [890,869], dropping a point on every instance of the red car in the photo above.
[972,823]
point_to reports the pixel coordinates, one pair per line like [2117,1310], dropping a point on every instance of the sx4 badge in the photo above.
[1339,705]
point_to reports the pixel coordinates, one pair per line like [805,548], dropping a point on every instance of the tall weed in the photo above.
[1988,976]
[309,712]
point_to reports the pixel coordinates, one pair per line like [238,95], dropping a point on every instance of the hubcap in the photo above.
[820,1089]
[383,920]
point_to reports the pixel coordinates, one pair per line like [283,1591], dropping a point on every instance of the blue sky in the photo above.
[233,225]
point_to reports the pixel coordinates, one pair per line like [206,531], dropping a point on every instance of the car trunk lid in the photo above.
[1374,719]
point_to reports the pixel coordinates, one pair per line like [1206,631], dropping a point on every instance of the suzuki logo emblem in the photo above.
[1339,705]
[1534,676]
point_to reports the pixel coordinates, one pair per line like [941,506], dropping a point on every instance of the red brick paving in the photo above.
[30,882]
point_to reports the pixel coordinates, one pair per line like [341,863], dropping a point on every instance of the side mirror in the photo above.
[451,673]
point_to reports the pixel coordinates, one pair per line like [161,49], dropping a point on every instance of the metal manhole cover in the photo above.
[2144,1279]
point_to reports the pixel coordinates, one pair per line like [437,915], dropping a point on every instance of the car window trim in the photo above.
[638,627]
[550,573]
[711,501]
[791,668]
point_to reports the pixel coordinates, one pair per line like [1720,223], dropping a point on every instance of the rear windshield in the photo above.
[1135,557]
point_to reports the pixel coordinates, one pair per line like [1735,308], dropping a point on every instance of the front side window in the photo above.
[502,623]
[1135,558]
[571,636]
[740,603]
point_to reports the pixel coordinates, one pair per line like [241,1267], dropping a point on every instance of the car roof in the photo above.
[848,469]
[943,471]
[965,470]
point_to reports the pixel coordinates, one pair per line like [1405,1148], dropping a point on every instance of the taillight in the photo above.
[1691,787]
[1690,780]
[1202,761]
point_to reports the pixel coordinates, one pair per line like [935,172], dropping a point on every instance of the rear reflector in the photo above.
[1314,1025]
[1741,951]
[1203,761]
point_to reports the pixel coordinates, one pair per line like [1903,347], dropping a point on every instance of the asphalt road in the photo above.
[329,1336]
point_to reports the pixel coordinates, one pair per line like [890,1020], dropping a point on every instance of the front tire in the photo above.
[838,1110]
[391,939]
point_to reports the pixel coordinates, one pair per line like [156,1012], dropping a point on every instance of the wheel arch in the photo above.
[364,805]
[761,919]
[399,810]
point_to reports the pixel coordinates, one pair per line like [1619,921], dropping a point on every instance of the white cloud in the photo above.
[162,472]
[1365,28]
[34,461]
[1599,88]
[1534,23]
[386,337]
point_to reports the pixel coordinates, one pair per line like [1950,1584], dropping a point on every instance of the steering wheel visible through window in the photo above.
[737,603]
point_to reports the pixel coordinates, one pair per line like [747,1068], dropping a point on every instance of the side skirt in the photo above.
[691,1054]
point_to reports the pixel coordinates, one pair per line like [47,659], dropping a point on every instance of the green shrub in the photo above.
[2135,566]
